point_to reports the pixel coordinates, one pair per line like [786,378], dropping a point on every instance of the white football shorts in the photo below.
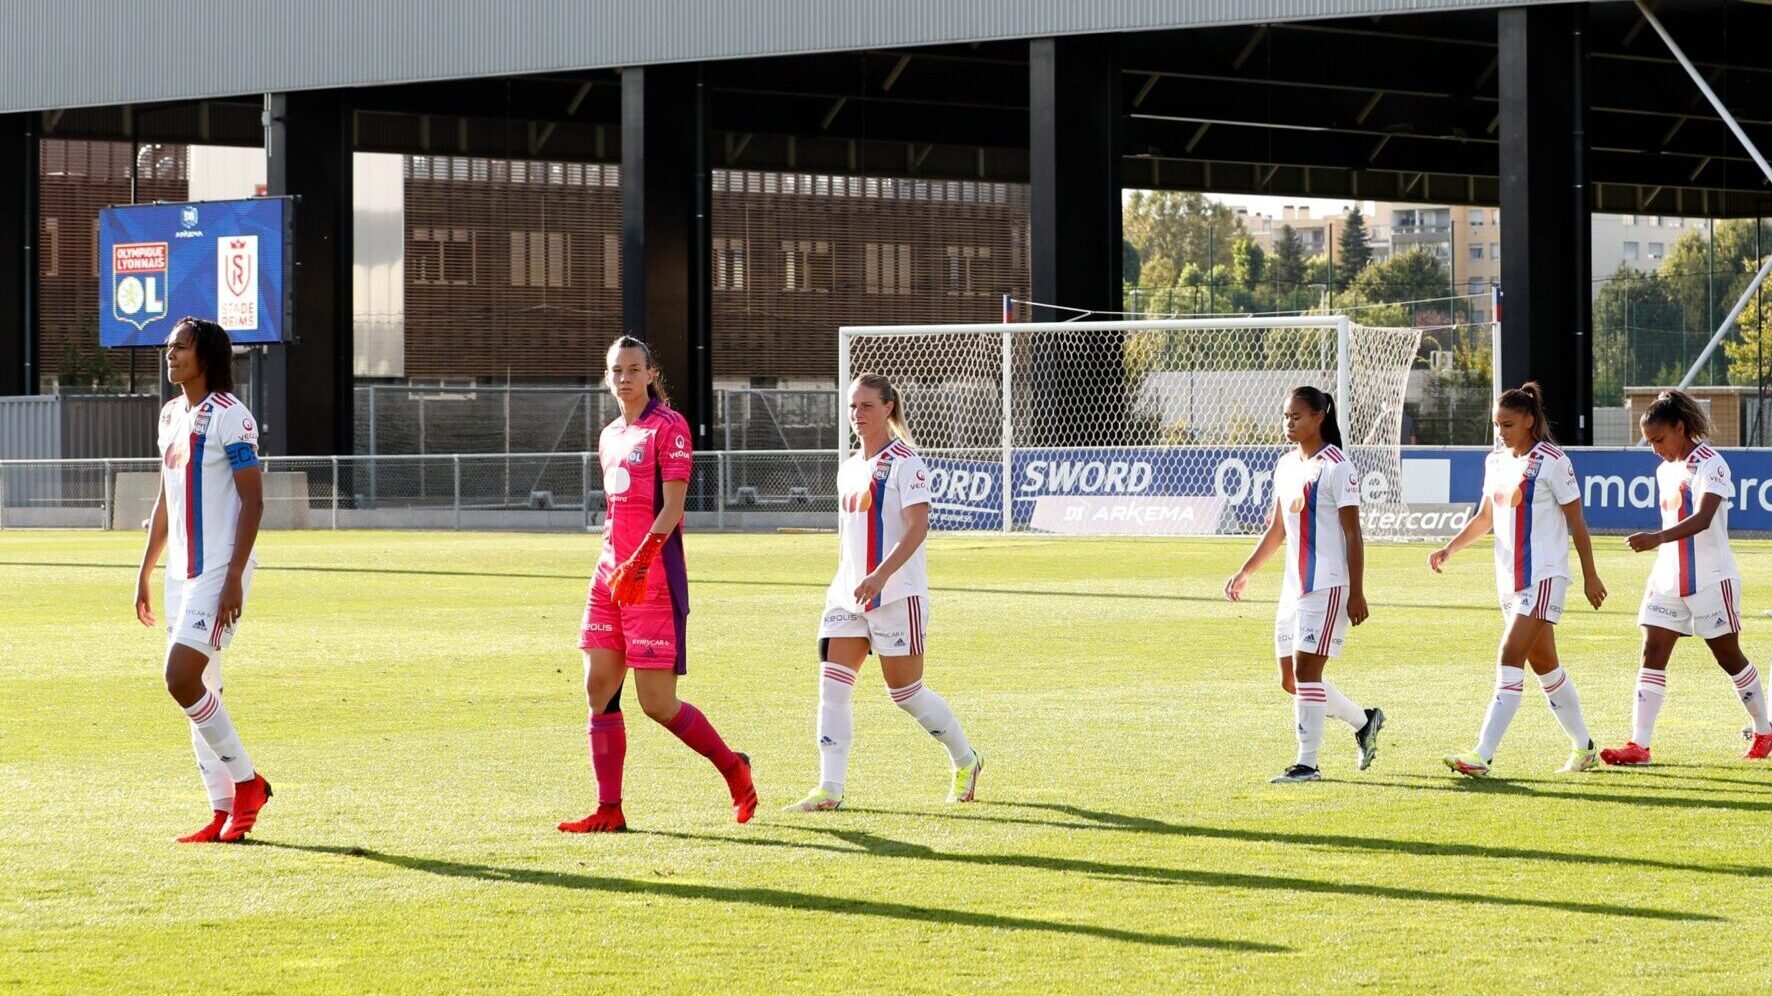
[190,609]
[1540,600]
[895,629]
[1709,612]
[1312,624]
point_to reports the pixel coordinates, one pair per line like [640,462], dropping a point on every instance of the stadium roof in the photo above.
[1378,99]
[78,53]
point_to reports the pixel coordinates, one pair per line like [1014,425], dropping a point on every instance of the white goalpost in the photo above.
[1134,428]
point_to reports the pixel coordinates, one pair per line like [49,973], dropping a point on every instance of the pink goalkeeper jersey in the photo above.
[637,459]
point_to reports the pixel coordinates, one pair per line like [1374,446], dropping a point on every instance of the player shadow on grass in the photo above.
[1101,820]
[1562,789]
[861,841]
[772,898]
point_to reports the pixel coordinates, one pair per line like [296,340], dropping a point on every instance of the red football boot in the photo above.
[744,792]
[1630,755]
[250,796]
[607,819]
[1760,749]
[209,834]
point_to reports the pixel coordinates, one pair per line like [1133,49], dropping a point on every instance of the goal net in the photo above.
[1167,427]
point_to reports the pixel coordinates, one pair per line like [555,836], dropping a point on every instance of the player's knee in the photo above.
[659,709]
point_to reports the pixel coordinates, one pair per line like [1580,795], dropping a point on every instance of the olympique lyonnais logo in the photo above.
[138,282]
[236,282]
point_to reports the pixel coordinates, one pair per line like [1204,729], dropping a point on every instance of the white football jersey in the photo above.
[872,494]
[1309,494]
[200,449]
[1683,567]
[1527,495]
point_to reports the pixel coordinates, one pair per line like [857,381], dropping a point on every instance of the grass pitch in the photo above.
[416,700]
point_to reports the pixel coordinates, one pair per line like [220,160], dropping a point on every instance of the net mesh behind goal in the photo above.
[1135,428]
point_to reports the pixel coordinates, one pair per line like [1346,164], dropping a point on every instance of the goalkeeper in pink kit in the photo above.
[638,607]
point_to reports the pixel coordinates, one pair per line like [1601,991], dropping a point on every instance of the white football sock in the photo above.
[216,781]
[210,718]
[1753,697]
[1651,690]
[1509,681]
[1308,708]
[836,724]
[931,711]
[1559,692]
[1342,707]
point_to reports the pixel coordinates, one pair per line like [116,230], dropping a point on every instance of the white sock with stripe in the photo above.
[836,724]
[1342,707]
[1308,707]
[1509,682]
[211,720]
[932,712]
[1559,692]
[1753,697]
[216,780]
[1651,690]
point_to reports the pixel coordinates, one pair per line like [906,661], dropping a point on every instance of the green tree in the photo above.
[1410,276]
[1130,263]
[1638,321]
[1181,228]
[1750,358]
[1248,262]
[1288,266]
[1355,252]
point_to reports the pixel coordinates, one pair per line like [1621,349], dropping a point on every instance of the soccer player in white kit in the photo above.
[879,599]
[1532,500]
[1317,514]
[1694,587]
[206,518]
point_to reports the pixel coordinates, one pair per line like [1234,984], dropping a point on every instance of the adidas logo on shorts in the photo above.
[200,625]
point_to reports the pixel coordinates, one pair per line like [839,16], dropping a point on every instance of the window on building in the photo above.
[886,268]
[1630,250]
[1474,216]
[541,259]
[729,264]
[806,266]
[1654,221]
[961,260]
[1627,219]
[1494,250]
[611,261]
[442,256]
[1476,250]
[1657,250]
[49,248]
[1476,285]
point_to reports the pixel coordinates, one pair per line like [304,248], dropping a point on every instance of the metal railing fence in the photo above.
[729,490]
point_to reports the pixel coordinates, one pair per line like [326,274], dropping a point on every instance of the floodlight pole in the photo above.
[1752,150]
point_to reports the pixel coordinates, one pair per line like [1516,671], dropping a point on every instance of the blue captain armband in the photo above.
[241,456]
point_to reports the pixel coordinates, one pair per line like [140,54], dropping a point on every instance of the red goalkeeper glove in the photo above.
[627,584]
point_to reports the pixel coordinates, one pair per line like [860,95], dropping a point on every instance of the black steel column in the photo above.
[1074,225]
[666,245]
[19,370]
[1546,272]
[308,383]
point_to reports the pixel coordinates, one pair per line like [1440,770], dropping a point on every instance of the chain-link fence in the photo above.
[396,419]
[730,490]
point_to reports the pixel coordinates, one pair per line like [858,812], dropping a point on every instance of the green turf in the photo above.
[416,700]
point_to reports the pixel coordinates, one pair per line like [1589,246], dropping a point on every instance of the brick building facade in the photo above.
[513,268]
